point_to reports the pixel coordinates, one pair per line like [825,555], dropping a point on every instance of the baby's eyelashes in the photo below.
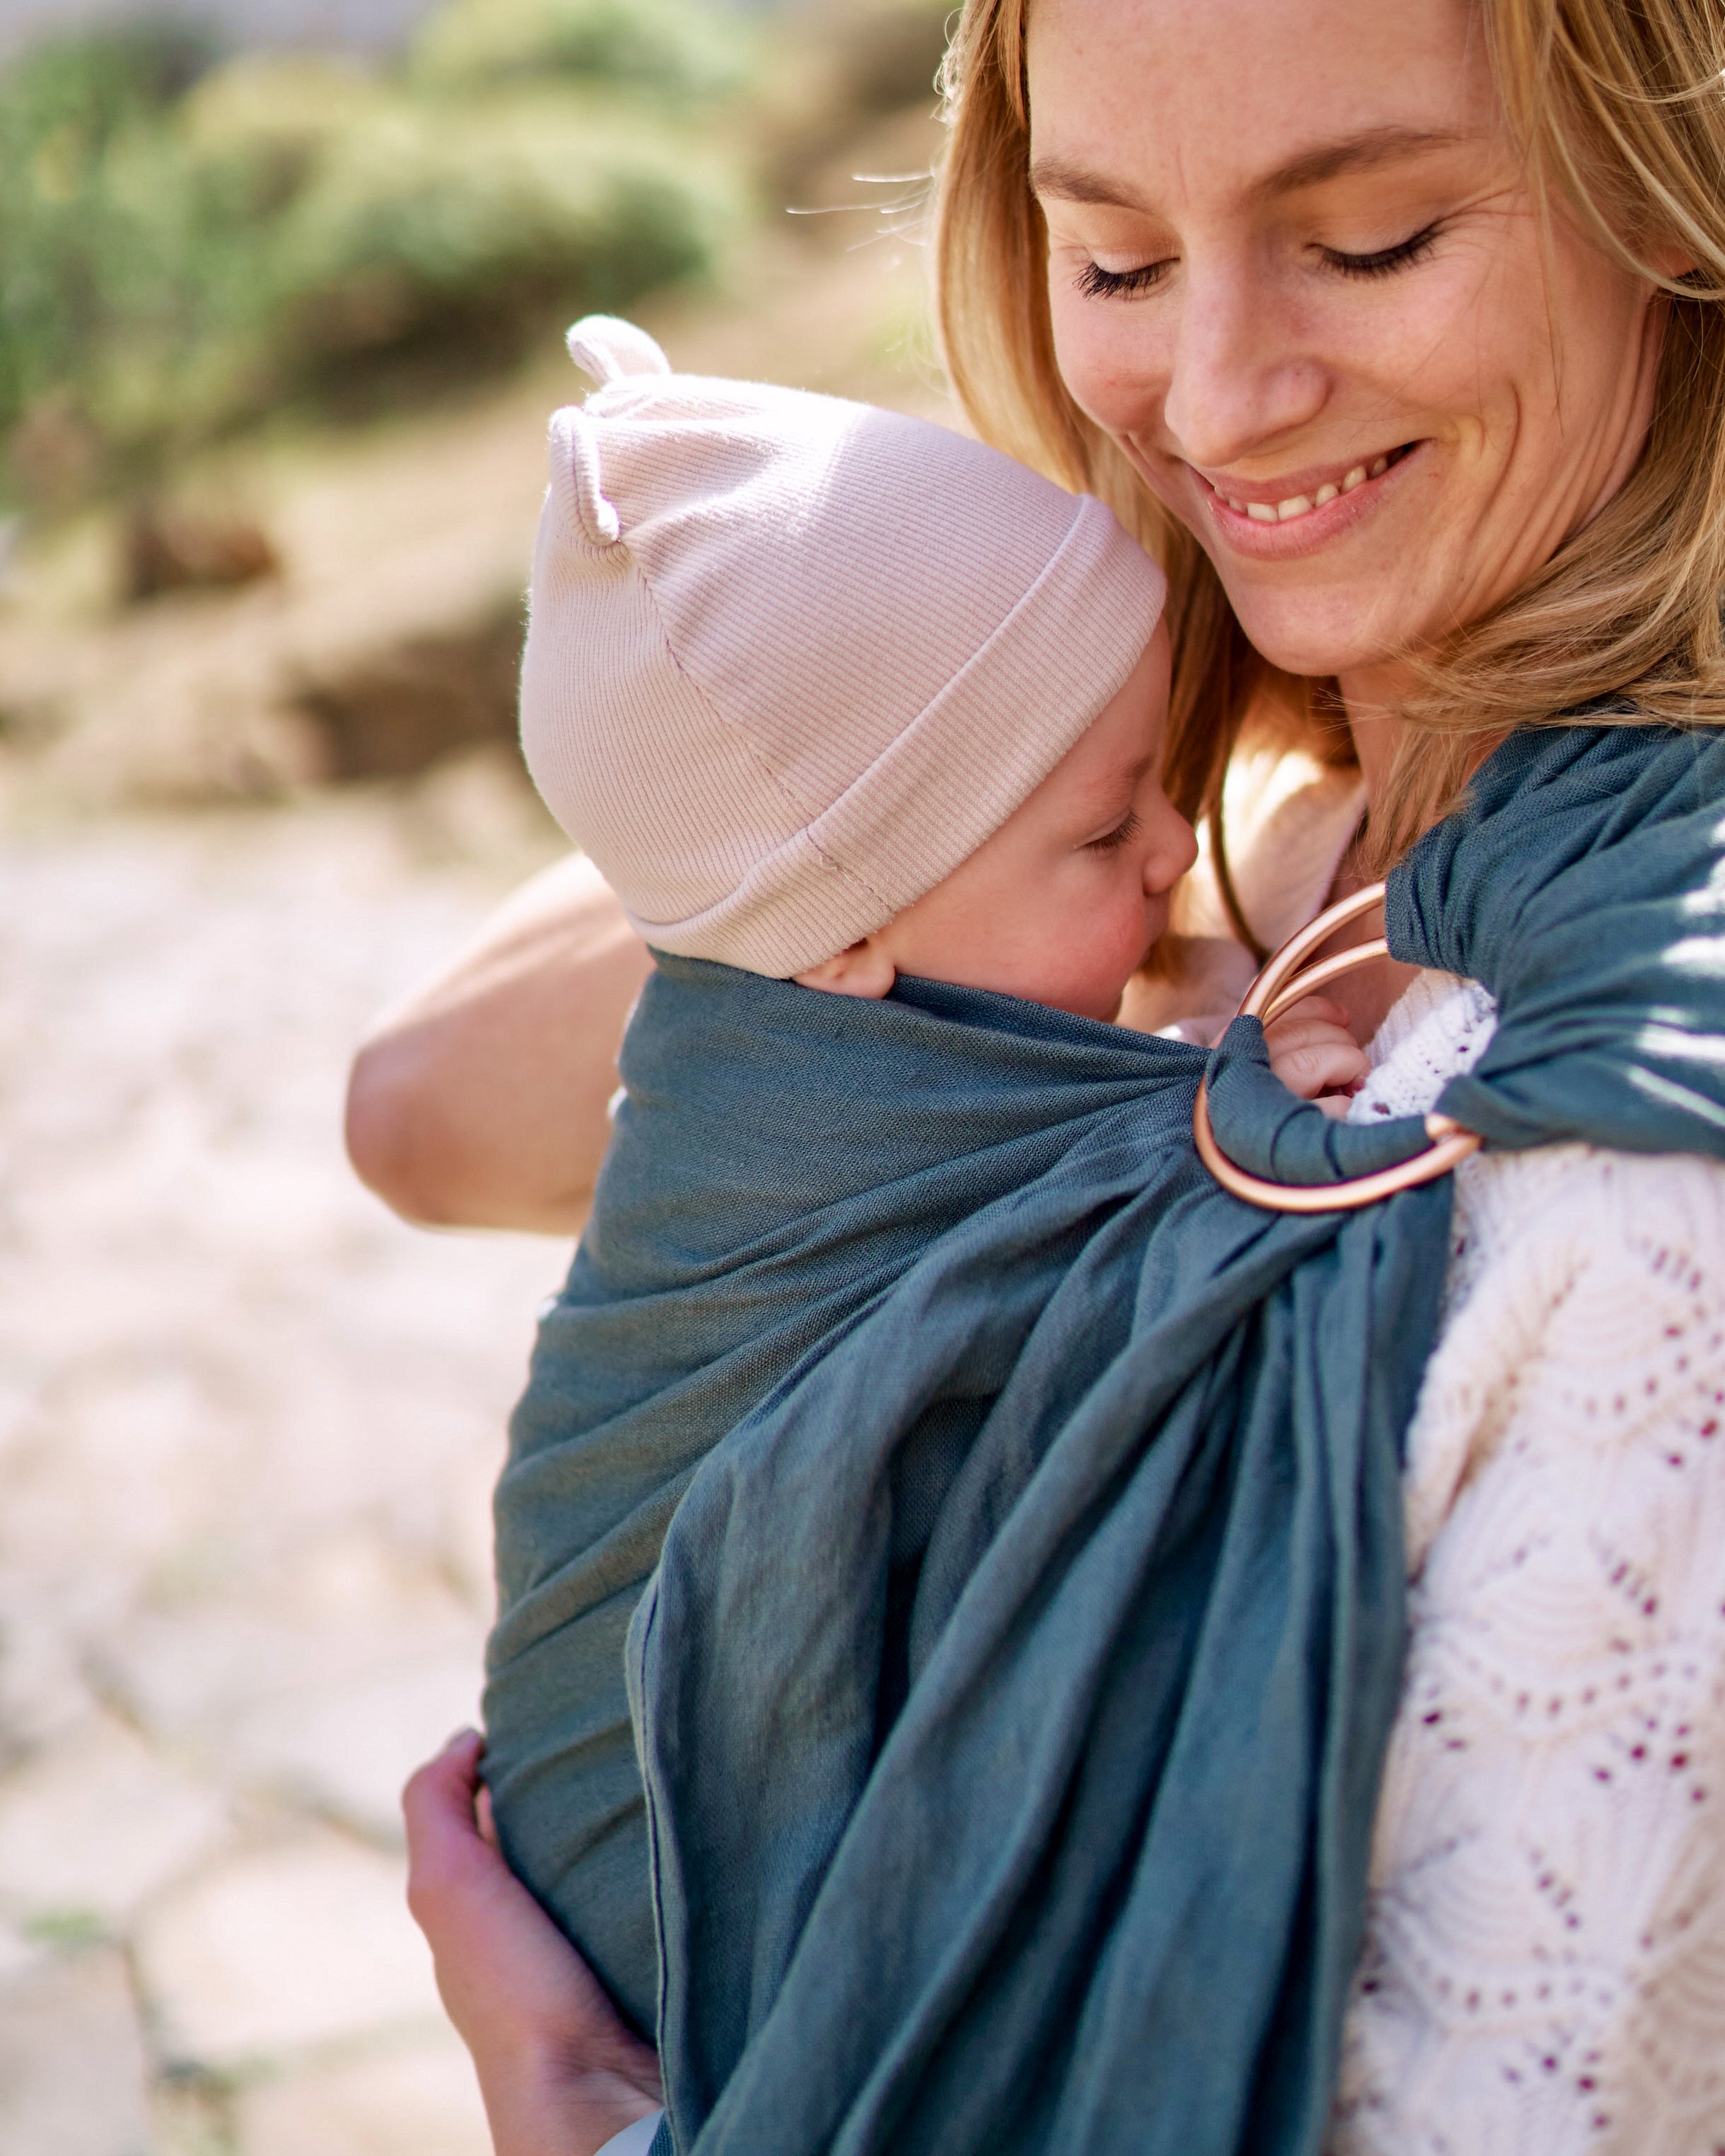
[1123,835]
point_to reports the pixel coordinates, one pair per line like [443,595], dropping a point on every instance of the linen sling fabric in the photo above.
[1014,1687]
[780,1158]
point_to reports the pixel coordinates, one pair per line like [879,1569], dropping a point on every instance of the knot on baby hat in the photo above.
[791,659]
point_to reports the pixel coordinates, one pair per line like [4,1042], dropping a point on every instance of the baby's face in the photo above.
[1062,904]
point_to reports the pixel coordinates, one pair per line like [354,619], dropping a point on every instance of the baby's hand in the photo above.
[1312,1053]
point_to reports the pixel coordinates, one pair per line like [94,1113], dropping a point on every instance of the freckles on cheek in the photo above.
[1094,364]
[1116,389]
[1114,403]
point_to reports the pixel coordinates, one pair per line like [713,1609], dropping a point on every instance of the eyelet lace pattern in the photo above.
[1544,1966]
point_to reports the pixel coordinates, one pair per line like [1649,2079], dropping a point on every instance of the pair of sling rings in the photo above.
[1280,985]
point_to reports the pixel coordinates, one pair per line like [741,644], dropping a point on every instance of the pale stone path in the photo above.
[249,1424]
[248,1428]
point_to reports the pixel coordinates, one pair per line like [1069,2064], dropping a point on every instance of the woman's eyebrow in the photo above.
[1364,152]
[1059,179]
[1065,182]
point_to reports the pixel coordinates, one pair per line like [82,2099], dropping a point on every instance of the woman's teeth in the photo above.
[1302,504]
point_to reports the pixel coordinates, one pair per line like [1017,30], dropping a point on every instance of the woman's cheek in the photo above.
[1100,350]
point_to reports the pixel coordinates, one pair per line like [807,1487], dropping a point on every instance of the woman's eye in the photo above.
[1386,261]
[1096,282]
[1123,835]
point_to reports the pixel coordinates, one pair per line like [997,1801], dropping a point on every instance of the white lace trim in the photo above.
[1544,1970]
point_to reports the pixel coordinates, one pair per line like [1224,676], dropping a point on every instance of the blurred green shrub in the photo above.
[666,48]
[448,235]
[97,226]
[184,246]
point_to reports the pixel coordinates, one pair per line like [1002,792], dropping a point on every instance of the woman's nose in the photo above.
[1239,378]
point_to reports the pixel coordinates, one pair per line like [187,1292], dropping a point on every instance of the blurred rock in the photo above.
[72,2063]
[390,712]
[267,1954]
[98,1823]
[345,1749]
[179,550]
[244,1679]
[43,1692]
[389,640]
[418,2100]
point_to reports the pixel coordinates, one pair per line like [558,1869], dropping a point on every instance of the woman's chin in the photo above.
[1317,639]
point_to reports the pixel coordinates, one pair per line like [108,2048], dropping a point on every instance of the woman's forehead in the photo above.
[1134,102]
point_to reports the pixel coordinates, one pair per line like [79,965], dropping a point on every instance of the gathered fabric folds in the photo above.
[1012,1688]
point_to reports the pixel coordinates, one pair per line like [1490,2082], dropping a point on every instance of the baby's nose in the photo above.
[1171,852]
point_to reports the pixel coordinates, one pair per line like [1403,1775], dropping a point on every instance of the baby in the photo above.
[837,700]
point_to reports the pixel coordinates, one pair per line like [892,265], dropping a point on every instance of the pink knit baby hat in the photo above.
[790,659]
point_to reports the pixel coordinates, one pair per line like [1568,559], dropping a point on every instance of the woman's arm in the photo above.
[559,2072]
[480,1101]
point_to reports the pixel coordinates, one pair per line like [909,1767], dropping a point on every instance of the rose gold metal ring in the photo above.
[1280,985]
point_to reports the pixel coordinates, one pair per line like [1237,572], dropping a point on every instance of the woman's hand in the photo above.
[559,2072]
[480,1101]
[1315,1055]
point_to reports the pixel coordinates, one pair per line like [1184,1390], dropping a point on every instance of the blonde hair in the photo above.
[1618,107]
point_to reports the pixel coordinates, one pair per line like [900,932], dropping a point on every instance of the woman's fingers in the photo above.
[491,1941]
[560,2072]
[443,1841]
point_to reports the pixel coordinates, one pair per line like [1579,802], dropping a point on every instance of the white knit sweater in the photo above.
[1544,1970]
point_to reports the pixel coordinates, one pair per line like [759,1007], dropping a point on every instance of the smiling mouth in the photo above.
[1297,506]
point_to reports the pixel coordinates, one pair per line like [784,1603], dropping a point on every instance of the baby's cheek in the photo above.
[1106,950]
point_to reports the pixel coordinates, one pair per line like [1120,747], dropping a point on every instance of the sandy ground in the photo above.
[249,1423]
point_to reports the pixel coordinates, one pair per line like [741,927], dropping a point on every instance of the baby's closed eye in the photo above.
[1123,835]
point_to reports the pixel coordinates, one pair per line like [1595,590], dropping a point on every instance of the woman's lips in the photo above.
[1305,512]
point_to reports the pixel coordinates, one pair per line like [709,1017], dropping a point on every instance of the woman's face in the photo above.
[1297,270]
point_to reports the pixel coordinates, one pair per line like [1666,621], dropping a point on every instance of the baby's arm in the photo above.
[1315,1055]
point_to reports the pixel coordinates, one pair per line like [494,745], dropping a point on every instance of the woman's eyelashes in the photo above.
[1385,261]
[1096,282]
[1123,835]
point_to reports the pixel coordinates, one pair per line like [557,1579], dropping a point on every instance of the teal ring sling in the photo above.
[997,1523]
